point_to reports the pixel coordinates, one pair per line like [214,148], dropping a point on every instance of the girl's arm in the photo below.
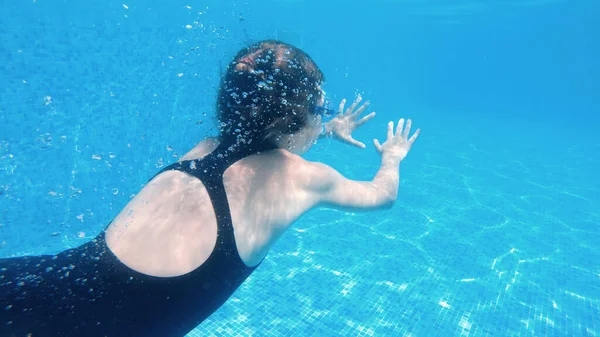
[328,187]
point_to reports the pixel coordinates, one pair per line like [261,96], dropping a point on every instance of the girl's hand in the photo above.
[397,145]
[345,123]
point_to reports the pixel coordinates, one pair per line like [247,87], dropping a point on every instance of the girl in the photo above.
[201,226]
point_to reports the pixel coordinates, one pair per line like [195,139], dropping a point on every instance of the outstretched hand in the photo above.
[397,145]
[345,123]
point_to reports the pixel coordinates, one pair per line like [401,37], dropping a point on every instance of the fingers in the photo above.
[414,136]
[400,126]
[406,131]
[365,119]
[377,145]
[390,132]
[341,107]
[354,104]
[361,109]
[355,142]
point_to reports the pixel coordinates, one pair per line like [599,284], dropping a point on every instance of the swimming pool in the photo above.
[496,229]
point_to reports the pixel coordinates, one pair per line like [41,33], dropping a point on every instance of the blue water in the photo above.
[496,231]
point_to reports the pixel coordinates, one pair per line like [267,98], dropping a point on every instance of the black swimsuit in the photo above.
[87,291]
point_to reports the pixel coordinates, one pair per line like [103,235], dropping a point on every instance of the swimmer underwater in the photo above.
[183,245]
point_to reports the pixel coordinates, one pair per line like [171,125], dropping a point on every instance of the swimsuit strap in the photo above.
[210,170]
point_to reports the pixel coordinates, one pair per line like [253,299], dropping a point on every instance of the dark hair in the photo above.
[269,87]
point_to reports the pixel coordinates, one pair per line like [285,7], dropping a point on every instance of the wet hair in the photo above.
[269,87]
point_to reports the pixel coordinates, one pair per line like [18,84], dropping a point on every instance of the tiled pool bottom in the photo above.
[345,278]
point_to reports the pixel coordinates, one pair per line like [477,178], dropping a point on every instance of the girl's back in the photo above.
[170,227]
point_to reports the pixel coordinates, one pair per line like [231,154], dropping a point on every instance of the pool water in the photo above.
[496,231]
